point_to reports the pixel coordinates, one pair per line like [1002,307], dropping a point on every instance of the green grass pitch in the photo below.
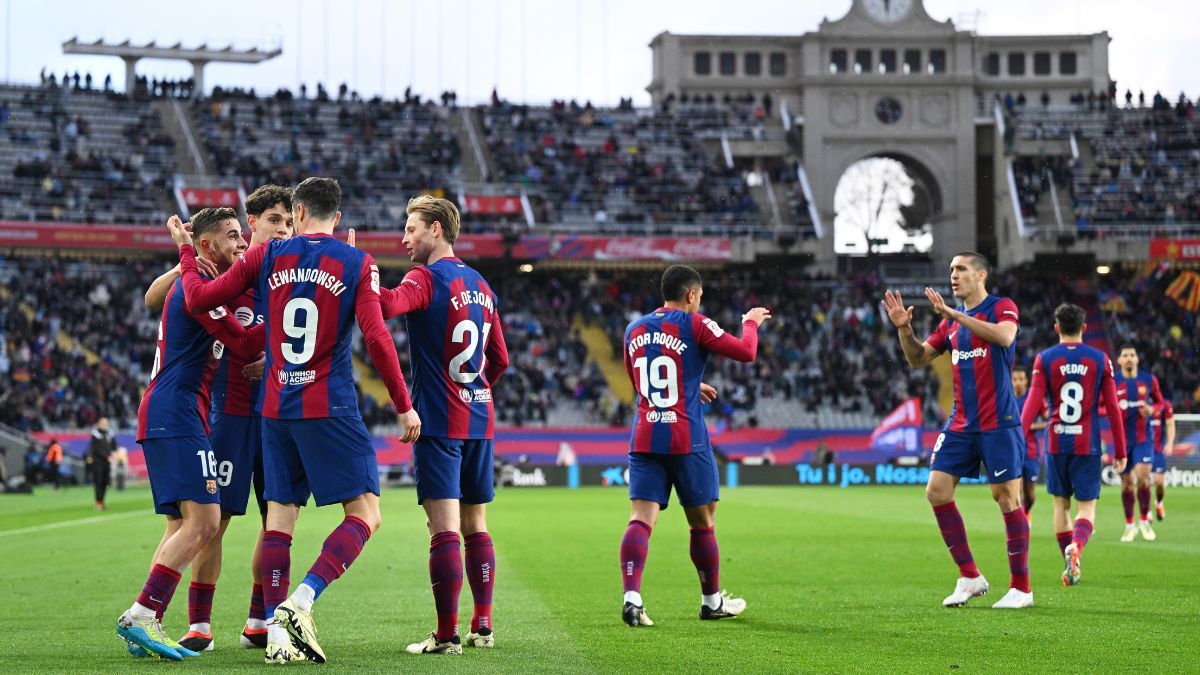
[836,581]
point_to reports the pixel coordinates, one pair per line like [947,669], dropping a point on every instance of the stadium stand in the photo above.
[77,155]
[382,152]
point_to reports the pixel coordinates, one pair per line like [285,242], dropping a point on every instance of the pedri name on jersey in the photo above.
[301,275]
[665,339]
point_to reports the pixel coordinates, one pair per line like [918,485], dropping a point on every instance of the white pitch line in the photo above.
[70,523]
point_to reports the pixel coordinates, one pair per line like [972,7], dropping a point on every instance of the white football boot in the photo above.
[1015,599]
[966,589]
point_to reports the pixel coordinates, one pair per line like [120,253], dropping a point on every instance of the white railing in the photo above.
[766,179]
[813,212]
[186,128]
[1015,199]
[476,147]
[1058,217]
[726,150]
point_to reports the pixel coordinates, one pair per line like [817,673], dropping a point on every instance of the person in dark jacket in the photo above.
[101,447]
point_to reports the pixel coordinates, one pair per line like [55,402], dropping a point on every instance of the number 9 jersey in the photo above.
[666,352]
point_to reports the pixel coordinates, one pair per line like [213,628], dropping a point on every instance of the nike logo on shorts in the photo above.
[997,474]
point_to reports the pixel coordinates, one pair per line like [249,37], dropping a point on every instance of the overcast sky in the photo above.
[533,50]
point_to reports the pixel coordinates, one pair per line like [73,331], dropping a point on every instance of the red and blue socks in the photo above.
[1127,503]
[275,565]
[954,533]
[635,546]
[340,550]
[446,576]
[1016,527]
[157,592]
[200,600]
[1143,498]
[481,575]
[1064,539]
[1083,531]
[703,548]
[257,618]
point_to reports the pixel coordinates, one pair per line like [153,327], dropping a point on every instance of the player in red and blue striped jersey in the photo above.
[1164,444]
[1033,451]
[1141,401]
[665,354]
[236,431]
[185,478]
[456,343]
[980,336]
[1078,379]
[311,287]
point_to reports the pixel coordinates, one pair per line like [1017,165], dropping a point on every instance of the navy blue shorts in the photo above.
[694,477]
[1159,465]
[331,457]
[182,469]
[1142,453]
[1030,468]
[237,443]
[454,468]
[1002,452]
[1074,475]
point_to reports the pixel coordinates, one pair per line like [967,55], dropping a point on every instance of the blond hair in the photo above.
[436,209]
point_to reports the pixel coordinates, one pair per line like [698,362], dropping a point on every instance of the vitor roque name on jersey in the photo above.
[472,298]
[669,341]
[307,275]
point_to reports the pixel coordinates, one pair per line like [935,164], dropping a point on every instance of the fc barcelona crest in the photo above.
[211,486]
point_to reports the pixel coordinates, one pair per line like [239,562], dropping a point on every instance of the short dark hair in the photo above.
[1021,369]
[978,260]
[677,281]
[267,196]
[321,196]
[1069,318]
[207,220]
[1127,345]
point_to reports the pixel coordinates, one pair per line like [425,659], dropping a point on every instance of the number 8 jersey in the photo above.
[666,352]
[456,342]
[1078,379]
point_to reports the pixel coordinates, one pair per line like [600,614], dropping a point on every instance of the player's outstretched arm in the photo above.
[156,295]
[413,294]
[247,343]
[713,338]
[496,354]
[918,354]
[1001,333]
[1112,408]
[1169,435]
[382,349]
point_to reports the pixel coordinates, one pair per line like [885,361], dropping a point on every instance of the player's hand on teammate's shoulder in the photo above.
[893,304]
[708,393]
[1119,465]
[254,369]
[758,315]
[207,267]
[410,423]
[180,231]
[350,238]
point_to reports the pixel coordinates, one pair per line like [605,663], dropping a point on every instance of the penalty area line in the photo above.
[70,523]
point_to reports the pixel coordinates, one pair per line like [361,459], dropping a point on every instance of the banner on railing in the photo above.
[586,247]
[1175,249]
[204,197]
[493,205]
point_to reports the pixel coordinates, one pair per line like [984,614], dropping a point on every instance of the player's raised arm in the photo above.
[1002,333]
[713,338]
[1112,408]
[201,295]
[156,295]
[382,349]
[413,294]
[496,351]
[247,343]
[918,354]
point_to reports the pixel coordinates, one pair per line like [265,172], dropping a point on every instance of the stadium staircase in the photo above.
[600,350]
[477,162]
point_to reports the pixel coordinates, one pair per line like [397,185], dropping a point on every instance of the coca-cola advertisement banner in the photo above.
[134,237]
[540,247]
[204,197]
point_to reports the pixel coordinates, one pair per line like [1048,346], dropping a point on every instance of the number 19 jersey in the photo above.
[666,353]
